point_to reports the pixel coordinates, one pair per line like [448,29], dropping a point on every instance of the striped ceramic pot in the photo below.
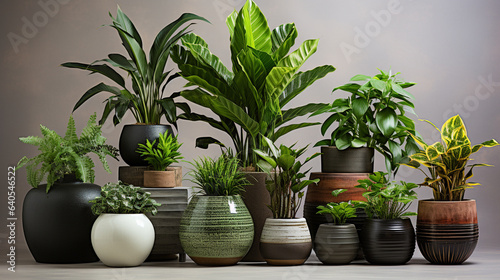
[216,230]
[336,244]
[285,241]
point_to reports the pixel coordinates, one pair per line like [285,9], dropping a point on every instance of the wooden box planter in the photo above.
[134,175]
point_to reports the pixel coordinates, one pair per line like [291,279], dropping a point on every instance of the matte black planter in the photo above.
[351,160]
[388,242]
[132,135]
[336,244]
[57,225]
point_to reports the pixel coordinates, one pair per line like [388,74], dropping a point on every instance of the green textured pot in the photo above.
[216,230]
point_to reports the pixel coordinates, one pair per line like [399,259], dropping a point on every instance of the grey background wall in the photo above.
[450,48]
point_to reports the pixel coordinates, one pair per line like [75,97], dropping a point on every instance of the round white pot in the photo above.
[123,239]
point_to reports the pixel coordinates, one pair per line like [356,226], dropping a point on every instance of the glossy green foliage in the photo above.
[339,211]
[374,116]
[249,99]
[65,155]
[160,155]
[386,200]
[287,184]
[447,160]
[149,78]
[119,198]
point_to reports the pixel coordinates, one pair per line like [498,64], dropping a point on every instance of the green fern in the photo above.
[59,156]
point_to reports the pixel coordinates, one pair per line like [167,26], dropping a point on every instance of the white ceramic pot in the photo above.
[285,241]
[122,239]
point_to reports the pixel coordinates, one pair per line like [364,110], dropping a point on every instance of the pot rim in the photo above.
[143,124]
[122,214]
[351,148]
[336,225]
[431,200]
[291,219]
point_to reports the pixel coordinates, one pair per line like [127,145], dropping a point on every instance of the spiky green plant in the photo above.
[219,177]
[119,198]
[65,155]
[161,156]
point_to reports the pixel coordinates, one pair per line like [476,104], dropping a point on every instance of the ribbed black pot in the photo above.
[132,135]
[57,224]
[350,160]
[388,242]
[336,244]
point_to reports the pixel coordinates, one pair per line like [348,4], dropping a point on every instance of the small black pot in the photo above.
[132,135]
[350,160]
[57,224]
[388,242]
[336,244]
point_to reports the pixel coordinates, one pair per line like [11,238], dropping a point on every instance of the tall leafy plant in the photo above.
[149,78]
[66,155]
[374,116]
[447,160]
[265,77]
[287,184]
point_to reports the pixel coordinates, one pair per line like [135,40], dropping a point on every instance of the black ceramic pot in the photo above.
[388,242]
[350,160]
[132,135]
[57,224]
[336,244]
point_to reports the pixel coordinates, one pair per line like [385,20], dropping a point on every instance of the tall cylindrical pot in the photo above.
[388,242]
[132,135]
[350,160]
[256,198]
[285,241]
[336,244]
[57,224]
[123,240]
[447,231]
[216,230]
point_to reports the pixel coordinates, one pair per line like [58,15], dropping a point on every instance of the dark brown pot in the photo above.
[321,194]
[447,231]
[350,160]
[159,179]
[256,198]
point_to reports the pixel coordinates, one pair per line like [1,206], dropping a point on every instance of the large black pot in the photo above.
[132,135]
[350,160]
[388,242]
[57,224]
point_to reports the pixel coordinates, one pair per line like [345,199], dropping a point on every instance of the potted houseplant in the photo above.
[449,211]
[371,118]
[57,218]
[252,99]
[285,239]
[216,228]
[160,156]
[337,242]
[387,236]
[122,235]
[149,79]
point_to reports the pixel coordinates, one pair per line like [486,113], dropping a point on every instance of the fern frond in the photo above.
[71,136]
[32,140]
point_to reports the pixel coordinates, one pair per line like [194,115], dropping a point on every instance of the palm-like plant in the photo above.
[264,79]
[146,101]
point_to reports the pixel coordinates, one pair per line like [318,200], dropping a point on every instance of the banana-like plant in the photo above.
[146,101]
[249,100]
[447,160]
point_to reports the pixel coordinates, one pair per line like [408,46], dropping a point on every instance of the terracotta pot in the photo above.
[216,230]
[123,240]
[134,175]
[321,194]
[447,231]
[256,198]
[159,179]
[285,241]
[336,244]
[350,160]
[388,242]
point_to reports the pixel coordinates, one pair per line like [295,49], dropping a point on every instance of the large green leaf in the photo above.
[95,90]
[205,79]
[253,68]
[119,60]
[134,50]
[283,38]
[286,129]
[299,56]
[302,80]
[258,35]
[101,68]
[292,113]
[126,24]
[490,143]
[231,22]
[278,79]
[203,54]
[387,121]
[359,106]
